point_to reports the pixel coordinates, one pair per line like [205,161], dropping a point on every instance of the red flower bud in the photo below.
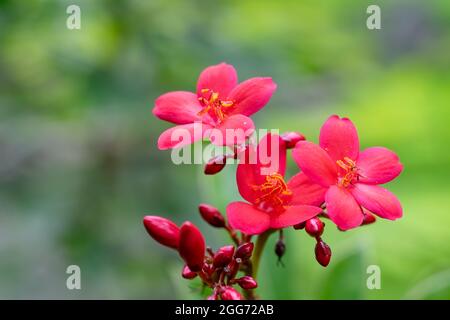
[247,282]
[229,293]
[300,226]
[211,215]
[188,273]
[232,268]
[223,256]
[162,230]
[244,251]
[215,164]
[191,246]
[208,269]
[314,227]
[212,297]
[368,218]
[291,138]
[323,253]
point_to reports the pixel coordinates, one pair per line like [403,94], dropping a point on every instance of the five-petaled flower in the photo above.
[219,108]
[350,179]
[273,203]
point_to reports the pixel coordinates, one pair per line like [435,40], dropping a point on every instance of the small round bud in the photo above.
[280,248]
[244,251]
[247,282]
[192,246]
[314,227]
[211,215]
[208,269]
[300,225]
[215,164]
[229,293]
[223,256]
[323,253]
[188,273]
[162,230]
[368,218]
[291,138]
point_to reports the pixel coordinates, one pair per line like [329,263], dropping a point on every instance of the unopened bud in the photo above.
[208,269]
[244,251]
[162,230]
[280,249]
[232,268]
[223,256]
[215,164]
[211,215]
[300,225]
[368,218]
[229,293]
[212,297]
[291,138]
[247,282]
[314,227]
[191,246]
[188,273]
[323,253]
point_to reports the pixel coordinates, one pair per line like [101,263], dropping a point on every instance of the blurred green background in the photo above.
[79,167]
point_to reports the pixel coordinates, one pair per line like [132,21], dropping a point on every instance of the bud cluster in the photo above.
[218,269]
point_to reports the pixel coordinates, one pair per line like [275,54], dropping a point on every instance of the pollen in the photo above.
[350,171]
[213,106]
[274,190]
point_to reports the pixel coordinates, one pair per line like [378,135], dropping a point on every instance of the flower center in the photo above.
[349,172]
[274,193]
[213,106]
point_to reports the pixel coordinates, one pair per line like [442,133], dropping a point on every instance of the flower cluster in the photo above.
[335,181]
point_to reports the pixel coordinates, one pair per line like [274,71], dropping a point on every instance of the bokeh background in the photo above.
[79,167]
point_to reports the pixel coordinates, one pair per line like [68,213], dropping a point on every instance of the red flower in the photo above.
[274,204]
[350,178]
[220,103]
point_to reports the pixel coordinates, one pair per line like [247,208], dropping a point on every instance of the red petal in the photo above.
[251,95]
[220,78]
[182,135]
[378,165]
[342,208]
[233,130]
[339,138]
[315,163]
[179,107]
[269,157]
[246,218]
[378,200]
[305,191]
[293,215]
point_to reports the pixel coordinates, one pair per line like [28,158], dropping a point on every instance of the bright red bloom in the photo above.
[274,204]
[350,178]
[220,103]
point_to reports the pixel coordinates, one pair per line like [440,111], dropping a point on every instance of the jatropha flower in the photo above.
[273,203]
[349,178]
[220,103]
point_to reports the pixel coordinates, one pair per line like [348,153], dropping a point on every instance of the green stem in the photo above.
[256,257]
